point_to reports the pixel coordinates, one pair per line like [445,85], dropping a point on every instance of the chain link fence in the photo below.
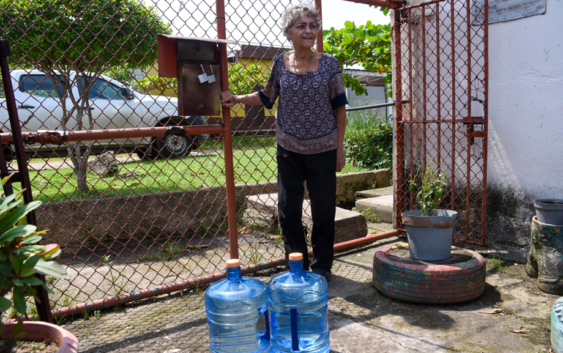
[134,214]
[140,212]
[440,61]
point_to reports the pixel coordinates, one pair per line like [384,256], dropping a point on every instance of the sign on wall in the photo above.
[506,10]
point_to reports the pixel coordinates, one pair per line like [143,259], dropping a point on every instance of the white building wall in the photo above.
[525,119]
[525,139]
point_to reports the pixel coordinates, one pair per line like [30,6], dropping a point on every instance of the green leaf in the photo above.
[30,263]
[6,270]
[19,231]
[5,304]
[27,273]
[19,300]
[16,214]
[31,240]
[50,268]
[17,282]
[33,281]
[16,264]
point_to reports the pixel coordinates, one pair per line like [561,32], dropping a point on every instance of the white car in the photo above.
[113,105]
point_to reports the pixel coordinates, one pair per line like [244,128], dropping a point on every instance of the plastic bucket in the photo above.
[549,211]
[430,237]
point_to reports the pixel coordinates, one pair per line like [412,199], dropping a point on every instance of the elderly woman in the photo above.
[310,126]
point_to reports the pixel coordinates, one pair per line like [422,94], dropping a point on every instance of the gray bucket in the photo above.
[549,211]
[430,237]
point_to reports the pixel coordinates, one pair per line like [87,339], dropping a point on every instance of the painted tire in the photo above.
[429,282]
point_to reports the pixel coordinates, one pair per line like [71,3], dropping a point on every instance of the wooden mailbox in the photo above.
[187,59]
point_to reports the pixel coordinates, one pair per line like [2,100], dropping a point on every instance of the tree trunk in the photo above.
[81,174]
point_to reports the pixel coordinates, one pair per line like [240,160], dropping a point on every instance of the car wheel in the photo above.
[173,146]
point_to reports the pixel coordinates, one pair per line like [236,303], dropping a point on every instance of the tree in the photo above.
[243,79]
[368,45]
[84,36]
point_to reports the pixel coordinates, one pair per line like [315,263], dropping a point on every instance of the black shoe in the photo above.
[326,274]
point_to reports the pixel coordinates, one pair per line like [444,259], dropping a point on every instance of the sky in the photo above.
[254,21]
[336,12]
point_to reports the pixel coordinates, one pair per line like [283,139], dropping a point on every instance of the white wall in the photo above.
[526,104]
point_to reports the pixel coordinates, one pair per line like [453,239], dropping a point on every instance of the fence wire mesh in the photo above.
[133,213]
[441,69]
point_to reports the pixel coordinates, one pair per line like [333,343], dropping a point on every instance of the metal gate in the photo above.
[441,89]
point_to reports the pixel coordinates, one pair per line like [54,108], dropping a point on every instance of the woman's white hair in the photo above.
[292,14]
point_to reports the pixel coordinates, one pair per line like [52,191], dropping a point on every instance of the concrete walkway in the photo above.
[361,318]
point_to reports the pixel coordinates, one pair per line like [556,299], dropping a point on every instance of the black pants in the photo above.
[319,170]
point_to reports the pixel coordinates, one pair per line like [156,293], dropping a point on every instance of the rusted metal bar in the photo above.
[424,88]
[411,129]
[227,136]
[390,4]
[399,156]
[56,138]
[468,97]
[438,81]
[319,6]
[204,280]
[486,117]
[42,304]
[453,164]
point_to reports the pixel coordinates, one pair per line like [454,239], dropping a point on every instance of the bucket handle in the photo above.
[294,335]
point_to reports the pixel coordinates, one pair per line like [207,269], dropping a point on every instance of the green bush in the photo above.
[368,142]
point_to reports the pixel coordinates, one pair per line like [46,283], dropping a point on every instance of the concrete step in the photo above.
[380,207]
[364,194]
[262,210]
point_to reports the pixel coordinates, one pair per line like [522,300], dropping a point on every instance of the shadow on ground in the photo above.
[361,318]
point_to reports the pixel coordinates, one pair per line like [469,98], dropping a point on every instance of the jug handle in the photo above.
[266,334]
[294,335]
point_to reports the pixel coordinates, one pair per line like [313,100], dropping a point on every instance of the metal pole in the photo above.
[319,6]
[227,135]
[399,155]
[55,137]
[486,111]
[43,308]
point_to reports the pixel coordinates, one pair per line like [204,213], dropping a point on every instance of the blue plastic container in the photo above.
[298,302]
[557,326]
[233,307]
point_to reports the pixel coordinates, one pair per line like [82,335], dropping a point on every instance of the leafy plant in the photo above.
[21,257]
[368,45]
[432,189]
[243,79]
[150,83]
[368,143]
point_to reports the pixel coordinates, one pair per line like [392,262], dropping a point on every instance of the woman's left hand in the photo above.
[340,159]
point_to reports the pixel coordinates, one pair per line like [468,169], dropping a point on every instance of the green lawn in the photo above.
[252,165]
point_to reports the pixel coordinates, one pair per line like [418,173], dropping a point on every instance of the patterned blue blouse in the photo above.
[306,122]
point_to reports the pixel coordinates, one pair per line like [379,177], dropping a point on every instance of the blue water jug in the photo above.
[557,326]
[298,303]
[233,307]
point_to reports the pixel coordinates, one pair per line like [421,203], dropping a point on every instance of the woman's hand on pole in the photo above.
[228,99]
[340,159]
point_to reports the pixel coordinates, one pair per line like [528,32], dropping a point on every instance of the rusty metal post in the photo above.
[319,6]
[486,117]
[227,136]
[43,308]
[399,156]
